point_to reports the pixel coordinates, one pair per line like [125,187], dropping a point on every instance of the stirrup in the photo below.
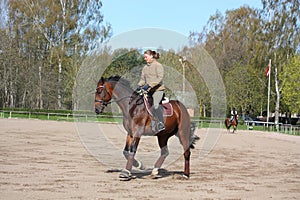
[157,126]
[160,126]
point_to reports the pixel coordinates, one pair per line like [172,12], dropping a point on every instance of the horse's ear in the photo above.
[101,79]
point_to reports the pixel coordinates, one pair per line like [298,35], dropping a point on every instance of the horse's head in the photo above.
[103,95]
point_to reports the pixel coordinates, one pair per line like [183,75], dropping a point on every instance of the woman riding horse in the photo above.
[137,122]
[152,79]
[232,121]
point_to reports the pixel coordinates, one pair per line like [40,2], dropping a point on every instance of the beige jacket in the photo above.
[152,74]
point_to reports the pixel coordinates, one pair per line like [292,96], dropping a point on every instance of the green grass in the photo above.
[110,118]
[62,117]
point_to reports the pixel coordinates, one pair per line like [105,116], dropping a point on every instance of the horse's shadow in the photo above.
[146,174]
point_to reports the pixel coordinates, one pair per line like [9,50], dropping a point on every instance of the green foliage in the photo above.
[127,63]
[243,89]
[47,41]
[291,84]
[233,38]
[250,37]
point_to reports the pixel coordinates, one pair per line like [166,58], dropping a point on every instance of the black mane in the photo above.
[120,80]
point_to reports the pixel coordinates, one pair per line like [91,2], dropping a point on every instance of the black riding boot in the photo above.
[159,119]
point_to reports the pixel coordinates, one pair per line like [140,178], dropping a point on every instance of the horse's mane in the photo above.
[119,80]
[124,82]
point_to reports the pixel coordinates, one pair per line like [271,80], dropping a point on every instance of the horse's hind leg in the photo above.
[187,155]
[184,136]
[164,152]
[228,129]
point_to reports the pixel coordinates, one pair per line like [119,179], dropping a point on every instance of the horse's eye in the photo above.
[99,91]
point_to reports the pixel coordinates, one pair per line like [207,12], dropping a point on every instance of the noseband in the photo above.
[103,102]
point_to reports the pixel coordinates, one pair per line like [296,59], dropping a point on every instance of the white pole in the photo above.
[183,81]
[269,83]
[182,60]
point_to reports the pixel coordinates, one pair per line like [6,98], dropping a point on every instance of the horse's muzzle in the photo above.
[99,106]
[99,110]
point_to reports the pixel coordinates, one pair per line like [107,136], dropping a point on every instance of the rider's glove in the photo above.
[146,87]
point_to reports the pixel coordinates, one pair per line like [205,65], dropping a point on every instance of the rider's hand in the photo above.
[140,90]
[146,87]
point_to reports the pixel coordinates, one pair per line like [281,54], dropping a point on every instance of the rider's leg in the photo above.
[158,112]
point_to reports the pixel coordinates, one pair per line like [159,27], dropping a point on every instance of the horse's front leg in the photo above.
[125,174]
[136,163]
[234,128]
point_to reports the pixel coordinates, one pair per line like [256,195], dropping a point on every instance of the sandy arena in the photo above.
[47,160]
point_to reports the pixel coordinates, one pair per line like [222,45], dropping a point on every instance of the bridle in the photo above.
[106,92]
[103,102]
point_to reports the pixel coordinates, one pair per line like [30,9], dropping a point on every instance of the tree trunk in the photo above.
[62,43]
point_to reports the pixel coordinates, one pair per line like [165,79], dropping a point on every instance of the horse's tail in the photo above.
[193,137]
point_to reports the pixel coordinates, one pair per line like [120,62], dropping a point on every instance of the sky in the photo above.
[180,16]
[162,24]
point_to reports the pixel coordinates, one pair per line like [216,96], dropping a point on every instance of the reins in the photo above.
[118,100]
[105,103]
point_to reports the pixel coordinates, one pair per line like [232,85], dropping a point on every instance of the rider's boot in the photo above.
[158,122]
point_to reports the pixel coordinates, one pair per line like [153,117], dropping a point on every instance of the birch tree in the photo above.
[56,35]
[282,27]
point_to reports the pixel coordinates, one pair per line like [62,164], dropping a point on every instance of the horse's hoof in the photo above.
[180,177]
[186,177]
[156,176]
[155,173]
[140,165]
[125,175]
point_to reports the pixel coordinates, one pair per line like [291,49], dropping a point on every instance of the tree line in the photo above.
[43,45]
[243,41]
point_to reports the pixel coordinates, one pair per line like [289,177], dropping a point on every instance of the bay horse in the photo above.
[137,122]
[234,124]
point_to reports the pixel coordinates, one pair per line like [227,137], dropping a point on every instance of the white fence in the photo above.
[285,128]
[269,126]
[58,116]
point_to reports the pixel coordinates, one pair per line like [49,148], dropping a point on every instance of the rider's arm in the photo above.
[159,75]
[142,81]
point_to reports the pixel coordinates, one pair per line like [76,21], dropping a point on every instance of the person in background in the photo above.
[233,115]
[152,80]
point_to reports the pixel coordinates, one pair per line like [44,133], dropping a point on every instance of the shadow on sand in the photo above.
[146,174]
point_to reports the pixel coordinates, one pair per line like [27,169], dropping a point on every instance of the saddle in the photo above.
[167,106]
